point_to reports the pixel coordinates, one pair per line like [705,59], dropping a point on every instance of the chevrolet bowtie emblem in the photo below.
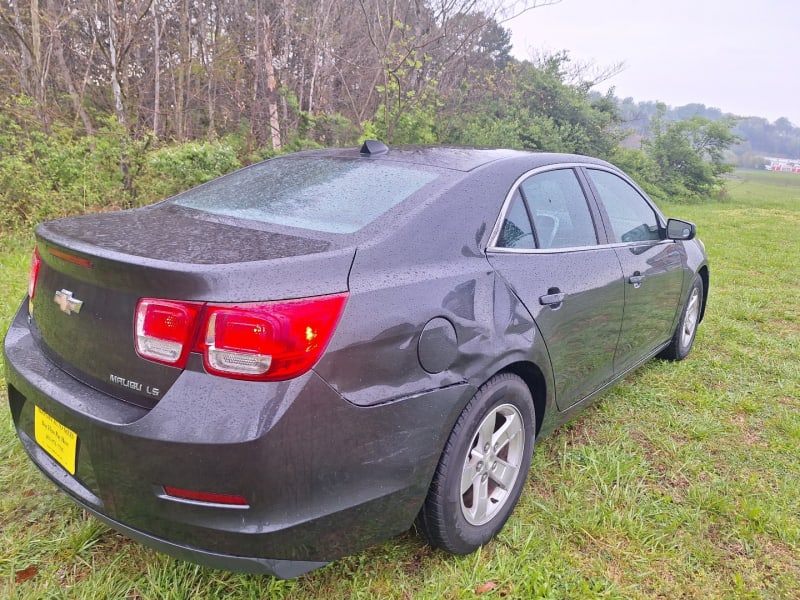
[67,303]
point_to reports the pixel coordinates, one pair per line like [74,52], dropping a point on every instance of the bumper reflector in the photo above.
[206,497]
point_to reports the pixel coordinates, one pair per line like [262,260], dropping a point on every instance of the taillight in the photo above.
[33,275]
[265,341]
[165,330]
[270,341]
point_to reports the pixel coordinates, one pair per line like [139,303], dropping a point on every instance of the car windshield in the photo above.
[321,194]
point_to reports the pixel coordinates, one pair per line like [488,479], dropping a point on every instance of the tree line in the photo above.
[115,103]
[191,69]
[758,137]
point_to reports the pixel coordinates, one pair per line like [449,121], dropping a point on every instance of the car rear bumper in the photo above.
[284,569]
[322,477]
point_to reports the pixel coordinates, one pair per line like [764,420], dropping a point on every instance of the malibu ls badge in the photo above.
[67,303]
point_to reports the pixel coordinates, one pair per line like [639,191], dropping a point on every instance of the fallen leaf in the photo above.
[25,574]
[486,587]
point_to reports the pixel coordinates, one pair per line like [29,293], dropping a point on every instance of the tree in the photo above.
[533,106]
[689,154]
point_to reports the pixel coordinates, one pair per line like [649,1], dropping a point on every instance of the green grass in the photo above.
[684,481]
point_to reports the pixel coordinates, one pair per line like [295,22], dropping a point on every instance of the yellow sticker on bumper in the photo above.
[58,440]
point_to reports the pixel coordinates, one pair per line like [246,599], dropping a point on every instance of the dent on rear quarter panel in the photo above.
[373,358]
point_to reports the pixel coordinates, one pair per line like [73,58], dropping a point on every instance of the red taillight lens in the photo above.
[36,262]
[237,342]
[165,330]
[265,341]
[270,341]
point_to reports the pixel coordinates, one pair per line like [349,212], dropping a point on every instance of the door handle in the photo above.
[636,279]
[554,297]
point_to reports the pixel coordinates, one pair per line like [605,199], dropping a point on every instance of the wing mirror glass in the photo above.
[680,230]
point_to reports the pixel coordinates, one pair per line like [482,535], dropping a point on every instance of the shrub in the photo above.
[176,168]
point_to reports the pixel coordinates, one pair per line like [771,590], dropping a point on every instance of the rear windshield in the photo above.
[322,194]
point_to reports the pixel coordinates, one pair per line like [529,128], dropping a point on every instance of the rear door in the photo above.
[546,248]
[652,267]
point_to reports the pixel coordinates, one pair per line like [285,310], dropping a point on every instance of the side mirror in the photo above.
[680,230]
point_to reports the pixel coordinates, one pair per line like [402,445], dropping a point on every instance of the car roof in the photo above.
[451,157]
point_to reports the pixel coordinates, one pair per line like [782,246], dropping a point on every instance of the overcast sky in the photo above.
[740,56]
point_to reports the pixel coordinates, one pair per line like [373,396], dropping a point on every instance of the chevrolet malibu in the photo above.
[289,363]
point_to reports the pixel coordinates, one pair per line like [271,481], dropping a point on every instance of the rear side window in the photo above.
[632,218]
[561,216]
[321,194]
[516,231]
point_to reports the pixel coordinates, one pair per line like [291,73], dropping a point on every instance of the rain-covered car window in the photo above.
[516,232]
[632,218]
[320,194]
[560,213]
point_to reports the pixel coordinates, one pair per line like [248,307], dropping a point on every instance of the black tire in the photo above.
[454,519]
[683,338]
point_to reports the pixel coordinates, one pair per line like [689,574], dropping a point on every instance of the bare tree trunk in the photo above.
[183,72]
[311,84]
[209,55]
[322,16]
[156,70]
[255,105]
[39,67]
[274,121]
[66,75]
[87,72]
[36,38]
[301,92]
[24,50]
[119,106]
[116,89]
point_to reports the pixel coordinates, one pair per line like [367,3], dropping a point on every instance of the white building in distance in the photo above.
[784,165]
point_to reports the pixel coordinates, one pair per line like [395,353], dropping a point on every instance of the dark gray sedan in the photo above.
[304,357]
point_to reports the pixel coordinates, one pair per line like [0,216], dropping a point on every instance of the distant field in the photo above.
[684,481]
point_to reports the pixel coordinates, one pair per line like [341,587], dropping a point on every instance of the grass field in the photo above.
[683,482]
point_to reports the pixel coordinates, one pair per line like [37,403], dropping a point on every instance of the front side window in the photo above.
[632,218]
[561,216]
[321,194]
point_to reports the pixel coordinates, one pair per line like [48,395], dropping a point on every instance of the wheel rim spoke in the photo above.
[486,433]
[469,476]
[480,507]
[503,473]
[507,433]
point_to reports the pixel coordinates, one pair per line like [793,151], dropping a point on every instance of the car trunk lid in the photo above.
[94,269]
